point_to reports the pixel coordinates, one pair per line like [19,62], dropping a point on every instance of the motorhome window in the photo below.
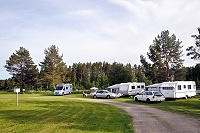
[133,87]
[189,87]
[138,86]
[142,86]
[184,86]
[66,87]
[59,87]
[179,87]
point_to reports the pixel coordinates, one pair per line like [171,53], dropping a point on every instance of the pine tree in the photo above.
[194,51]
[165,54]
[21,66]
[118,74]
[52,67]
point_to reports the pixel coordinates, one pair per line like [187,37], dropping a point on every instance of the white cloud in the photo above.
[84,13]
[84,31]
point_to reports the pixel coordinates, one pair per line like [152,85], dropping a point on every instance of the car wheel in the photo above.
[136,99]
[108,97]
[148,100]
[95,96]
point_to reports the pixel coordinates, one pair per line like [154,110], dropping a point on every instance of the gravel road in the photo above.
[151,120]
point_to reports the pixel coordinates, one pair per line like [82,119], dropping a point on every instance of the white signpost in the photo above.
[17,90]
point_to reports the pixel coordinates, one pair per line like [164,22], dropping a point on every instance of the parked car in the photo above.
[103,94]
[150,96]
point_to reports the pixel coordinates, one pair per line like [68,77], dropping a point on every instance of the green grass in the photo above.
[190,107]
[46,113]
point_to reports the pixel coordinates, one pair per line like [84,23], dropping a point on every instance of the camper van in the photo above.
[63,89]
[127,89]
[176,89]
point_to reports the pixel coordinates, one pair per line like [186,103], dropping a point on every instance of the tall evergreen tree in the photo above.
[193,73]
[94,74]
[53,66]
[31,76]
[106,68]
[21,66]
[194,51]
[73,75]
[6,84]
[118,74]
[68,76]
[165,54]
[148,70]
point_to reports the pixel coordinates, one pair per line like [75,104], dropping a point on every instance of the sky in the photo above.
[94,30]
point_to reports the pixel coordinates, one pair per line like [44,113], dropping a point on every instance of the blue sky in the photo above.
[94,30]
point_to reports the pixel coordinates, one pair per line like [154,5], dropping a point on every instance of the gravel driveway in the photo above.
[152,120]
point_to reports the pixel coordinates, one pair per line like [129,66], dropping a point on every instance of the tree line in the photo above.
[165,56]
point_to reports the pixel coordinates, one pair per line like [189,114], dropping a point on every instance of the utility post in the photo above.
[17,90]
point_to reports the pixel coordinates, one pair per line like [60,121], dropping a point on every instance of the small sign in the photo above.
[17,90]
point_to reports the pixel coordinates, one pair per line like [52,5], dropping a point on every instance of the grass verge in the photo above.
[45,113]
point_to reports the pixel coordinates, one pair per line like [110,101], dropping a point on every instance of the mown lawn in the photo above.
[46,113]
[190,107]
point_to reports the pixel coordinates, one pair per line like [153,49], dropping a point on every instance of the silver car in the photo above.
[103,94]
[150,96]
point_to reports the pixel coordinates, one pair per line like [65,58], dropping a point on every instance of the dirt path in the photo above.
[151,120]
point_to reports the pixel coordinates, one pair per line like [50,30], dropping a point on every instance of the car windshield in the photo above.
[158,94]
[59,87]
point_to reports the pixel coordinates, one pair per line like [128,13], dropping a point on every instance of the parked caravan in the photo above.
[176,89]
[63,89]
[127,89]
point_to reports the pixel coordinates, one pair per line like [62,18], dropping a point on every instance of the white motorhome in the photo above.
[176,89]
[63,89]
[127,89]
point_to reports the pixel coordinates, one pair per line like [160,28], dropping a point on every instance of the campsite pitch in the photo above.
[44,113]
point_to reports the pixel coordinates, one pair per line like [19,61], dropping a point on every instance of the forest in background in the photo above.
[166,64]
[83,76]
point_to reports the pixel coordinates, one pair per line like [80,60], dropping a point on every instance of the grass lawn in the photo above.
[46,113]
[190,107]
